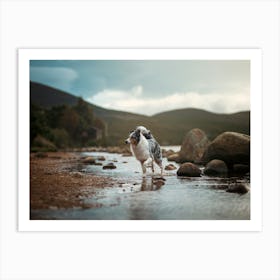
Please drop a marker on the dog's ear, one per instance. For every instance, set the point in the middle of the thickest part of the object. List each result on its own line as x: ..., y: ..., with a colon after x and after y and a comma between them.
x: 137, y: 132
x: 148, y: 135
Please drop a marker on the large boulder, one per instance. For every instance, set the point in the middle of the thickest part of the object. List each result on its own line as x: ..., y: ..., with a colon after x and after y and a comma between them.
x: 231, y: 147
x: 189, y: 169
x: 193, y: 146
x: 216, y: 167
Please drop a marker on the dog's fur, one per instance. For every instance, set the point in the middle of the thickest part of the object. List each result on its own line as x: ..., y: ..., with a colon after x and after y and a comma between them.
x: 145, y: 148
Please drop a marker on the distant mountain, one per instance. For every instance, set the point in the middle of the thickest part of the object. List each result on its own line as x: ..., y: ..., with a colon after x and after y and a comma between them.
x: 47, y: 97
x: 168, y: 127
x: 178, y: 122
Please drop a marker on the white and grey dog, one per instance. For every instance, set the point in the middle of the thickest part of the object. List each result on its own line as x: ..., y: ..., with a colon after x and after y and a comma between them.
x: 145, y: 148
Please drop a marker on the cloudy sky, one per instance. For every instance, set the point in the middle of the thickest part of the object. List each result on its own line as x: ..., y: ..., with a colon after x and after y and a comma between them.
x: 149, y: 87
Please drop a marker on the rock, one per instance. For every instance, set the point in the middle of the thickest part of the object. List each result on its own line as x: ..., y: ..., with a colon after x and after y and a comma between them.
x: 174, y: 157
x: 77, y: 174
x: 89, y: 160
x: 240, y: 169
x: 158, y: 183
x: 193, y: 146
x: 231, y: 147
x: 101, y: 158
x: 238, y: 188
x: 97, y: 163
x: 170, y: 167
x: 167, y: 153
x: 188, y: 169
x: 109, y: 166
x: 216, y: 167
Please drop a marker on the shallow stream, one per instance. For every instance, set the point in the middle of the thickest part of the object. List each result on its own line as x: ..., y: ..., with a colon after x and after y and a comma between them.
x: 151, y: 198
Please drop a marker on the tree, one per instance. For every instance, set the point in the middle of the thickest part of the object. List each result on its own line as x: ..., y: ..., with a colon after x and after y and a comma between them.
x: 38, y: 123
x: 85, y: 111
x: 69, y: 121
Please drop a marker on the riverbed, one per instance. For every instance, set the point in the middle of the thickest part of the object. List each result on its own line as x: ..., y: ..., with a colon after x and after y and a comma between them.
x: 132, y: 197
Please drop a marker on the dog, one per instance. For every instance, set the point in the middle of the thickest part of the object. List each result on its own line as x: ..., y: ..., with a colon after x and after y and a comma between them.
x: 145, y: 148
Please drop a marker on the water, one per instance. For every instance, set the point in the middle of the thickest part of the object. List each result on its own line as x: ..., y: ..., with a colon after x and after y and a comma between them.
x: 134, y: 197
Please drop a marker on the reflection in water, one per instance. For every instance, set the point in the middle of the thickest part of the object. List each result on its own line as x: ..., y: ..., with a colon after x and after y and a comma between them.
x: 139, y: 208
x: 152, y: 183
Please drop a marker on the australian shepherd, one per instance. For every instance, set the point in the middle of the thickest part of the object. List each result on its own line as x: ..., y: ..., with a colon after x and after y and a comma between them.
x: 145, y: 148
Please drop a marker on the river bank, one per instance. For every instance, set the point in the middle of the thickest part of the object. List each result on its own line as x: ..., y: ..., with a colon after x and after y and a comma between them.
x: 55, y: 181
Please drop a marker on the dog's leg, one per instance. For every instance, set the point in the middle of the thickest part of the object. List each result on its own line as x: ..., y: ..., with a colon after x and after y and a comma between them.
x: 148, y: 162
x: 143, y: 169
x: 159, y: 163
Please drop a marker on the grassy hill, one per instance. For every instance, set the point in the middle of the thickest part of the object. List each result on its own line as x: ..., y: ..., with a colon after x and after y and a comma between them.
x: 178, y: 122
x: 168, y: 127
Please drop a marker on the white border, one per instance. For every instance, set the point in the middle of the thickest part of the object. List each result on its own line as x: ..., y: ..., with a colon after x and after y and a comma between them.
x: 254, y: 55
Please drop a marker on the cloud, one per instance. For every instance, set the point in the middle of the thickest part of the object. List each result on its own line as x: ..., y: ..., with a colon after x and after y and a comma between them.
x: 58, y: 77
x: 134, y: 101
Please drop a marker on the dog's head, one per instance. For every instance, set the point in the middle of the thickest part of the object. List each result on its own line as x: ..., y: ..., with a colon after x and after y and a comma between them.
x: 146, y: 133
x: 134, y: 137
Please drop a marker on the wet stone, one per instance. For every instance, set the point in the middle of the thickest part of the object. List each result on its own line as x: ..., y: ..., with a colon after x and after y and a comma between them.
x: 89, y: 160
x: 98, y: 163
x: 238, y: 188
x: 109, y: 166
x: 158, y: 183
x: 188, y: 169
x: 101, y: 158
x: 170, y: 167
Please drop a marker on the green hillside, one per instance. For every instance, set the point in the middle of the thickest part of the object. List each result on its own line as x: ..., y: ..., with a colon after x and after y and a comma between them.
x: 176, y: 123
x: 168, y: 127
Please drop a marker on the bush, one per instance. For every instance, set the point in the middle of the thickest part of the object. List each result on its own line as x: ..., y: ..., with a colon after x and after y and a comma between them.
x: 61, y: 138
x: 43, y: 144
